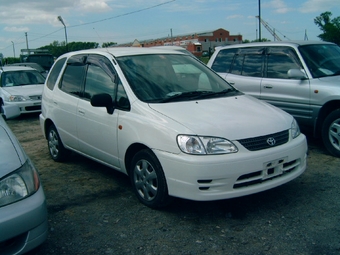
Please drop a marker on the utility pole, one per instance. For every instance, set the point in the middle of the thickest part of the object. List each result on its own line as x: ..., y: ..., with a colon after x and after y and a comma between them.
x: 13, y: 49
x: 62, y: 22
x: 27, y: 44
x: 260, y: 39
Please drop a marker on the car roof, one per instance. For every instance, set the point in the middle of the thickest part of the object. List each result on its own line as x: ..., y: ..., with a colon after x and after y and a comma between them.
x: 124, y: 51
x: 294, y: 43
x: 15, y: 68
x: 30, y: 64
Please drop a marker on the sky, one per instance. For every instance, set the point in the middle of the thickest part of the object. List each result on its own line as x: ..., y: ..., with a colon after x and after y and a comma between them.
x: 34, y: 23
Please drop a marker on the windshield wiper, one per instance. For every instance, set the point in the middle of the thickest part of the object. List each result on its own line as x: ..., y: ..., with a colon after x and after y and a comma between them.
x: 194, y: 95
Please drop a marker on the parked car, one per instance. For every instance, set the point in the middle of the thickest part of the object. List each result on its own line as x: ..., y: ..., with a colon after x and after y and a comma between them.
x: 300, y: 77
x: 33, y: 65
x: 23, y: 213
x: 170, y: 123
x: 21, y: 86
x: 44, y: 59
x: 176, y: 48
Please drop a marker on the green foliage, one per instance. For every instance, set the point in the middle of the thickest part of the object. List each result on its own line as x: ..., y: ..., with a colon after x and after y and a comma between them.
x: 257, y: 40
x: 329, y: 27
x: 108, y: 44
x: 10, y: 60
x: 58, y: 48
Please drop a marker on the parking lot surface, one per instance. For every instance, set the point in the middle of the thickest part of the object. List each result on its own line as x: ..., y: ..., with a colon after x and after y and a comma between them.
x: 93, y: 210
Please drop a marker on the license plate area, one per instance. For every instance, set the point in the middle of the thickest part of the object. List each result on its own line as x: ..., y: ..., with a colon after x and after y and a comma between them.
x: 273, y: 168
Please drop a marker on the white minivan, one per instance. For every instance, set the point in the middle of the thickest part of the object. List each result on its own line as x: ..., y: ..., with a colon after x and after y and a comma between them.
x: 175, y: 127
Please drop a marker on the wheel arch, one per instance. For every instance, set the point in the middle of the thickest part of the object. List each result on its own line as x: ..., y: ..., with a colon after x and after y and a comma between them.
x: 130, y: 152
x: 47, y: 124
x: 325, y: 110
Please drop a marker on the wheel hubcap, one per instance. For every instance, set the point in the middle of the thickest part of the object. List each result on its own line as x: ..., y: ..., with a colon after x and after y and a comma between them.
x: 334, y: 134
x: 53, y: 143
x: 145, y: 179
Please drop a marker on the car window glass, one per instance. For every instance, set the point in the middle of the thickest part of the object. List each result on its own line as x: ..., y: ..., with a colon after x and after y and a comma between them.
x: 98, y: 82
x: 122, y: 99
x: 22, y: 78
x: 279, y: 64
x: 321, y: 59
x: 223, y: 61
x: 74, y: 75
x: 252, y: 65
x: 54, y: 73
x: 237, y: 65
x: 280, y: 60
x: 154, y: 78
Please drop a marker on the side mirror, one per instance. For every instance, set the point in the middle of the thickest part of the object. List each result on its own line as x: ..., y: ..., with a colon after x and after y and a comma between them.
x: 296, y: 74
x: 103, y: 100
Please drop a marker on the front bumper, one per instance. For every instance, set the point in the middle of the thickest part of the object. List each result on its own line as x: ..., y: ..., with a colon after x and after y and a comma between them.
x: 23, y: 224
x: 215, y: 177
x: 30, y: 106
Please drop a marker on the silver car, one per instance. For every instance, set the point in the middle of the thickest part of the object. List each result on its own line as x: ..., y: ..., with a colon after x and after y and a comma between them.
x: 300, y: 77
x: 23, y: 213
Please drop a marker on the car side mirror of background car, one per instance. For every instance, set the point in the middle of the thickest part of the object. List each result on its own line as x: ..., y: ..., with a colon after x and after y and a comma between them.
x: 296, y: 74
x: 103, y: 100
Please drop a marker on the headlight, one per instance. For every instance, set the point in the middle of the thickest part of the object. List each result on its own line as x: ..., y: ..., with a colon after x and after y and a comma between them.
x: 19, y: 184
x: 295, y: 129
x: 16, y: 98
x: 202, y: 145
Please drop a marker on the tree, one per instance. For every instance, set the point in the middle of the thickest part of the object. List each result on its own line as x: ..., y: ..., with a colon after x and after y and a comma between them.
x: 108, y: 44
x: 58, y: 48
x: 329, y: 27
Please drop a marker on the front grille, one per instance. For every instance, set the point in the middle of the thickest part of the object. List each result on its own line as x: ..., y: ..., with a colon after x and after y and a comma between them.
x: 33, y: 108
x: 261, y: 142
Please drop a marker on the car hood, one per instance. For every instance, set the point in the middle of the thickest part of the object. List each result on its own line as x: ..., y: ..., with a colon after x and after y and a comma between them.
x: 229, y: 117
x: 26, y: 90
x: 10, y: 158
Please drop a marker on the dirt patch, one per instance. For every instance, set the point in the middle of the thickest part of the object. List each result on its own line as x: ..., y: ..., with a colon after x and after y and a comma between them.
x: 92, y: 210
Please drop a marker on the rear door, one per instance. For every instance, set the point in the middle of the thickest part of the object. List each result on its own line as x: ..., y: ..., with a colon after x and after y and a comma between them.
x: 65, y: 100
x: 246, y: 71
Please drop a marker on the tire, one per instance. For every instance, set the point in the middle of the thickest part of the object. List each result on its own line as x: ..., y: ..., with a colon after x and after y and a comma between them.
x: 55, y: 145
x: 148, y: 180
x: 331, y: 133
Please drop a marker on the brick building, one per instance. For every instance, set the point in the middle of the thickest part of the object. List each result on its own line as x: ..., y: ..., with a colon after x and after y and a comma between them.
x: 197, y: 43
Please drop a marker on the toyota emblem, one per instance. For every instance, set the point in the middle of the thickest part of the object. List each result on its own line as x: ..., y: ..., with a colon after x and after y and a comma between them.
x: 271, y: 141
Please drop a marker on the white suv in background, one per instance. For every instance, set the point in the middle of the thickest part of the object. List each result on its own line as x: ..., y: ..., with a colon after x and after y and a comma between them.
x: 300, y: 77
x: 171, y: 124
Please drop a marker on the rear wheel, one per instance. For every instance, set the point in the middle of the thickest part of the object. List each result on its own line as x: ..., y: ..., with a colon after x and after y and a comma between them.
x: 331, y: 133
x: 148, y: 180
x: 55, y: 145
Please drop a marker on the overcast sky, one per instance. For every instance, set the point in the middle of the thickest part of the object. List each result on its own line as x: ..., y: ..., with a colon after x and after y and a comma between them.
x: 126, y: 20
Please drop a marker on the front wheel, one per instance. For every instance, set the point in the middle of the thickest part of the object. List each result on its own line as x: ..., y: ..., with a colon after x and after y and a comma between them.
x: 148, y: 180
x: 55, y: 145
x: 331, y: 133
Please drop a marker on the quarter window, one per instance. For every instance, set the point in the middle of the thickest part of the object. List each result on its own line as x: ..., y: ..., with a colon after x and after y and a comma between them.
x: 54, y: 73
x: 223, y: 61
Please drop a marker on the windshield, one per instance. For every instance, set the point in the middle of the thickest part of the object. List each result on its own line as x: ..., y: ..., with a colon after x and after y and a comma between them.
x: 322, y: 59
x: 20, y: 78
x: 165, y: 78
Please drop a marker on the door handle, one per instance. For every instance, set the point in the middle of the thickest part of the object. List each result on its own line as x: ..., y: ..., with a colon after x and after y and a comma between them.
x: 268, y: 86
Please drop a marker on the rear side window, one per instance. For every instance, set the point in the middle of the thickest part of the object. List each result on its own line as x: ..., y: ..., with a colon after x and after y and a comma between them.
x: 73, y: 78
x: 223, y: 60
x: 248, y: 65
x: 54, y: 73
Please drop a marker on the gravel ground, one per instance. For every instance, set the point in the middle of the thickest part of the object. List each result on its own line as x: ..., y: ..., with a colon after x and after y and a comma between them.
x: 92, y: 210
